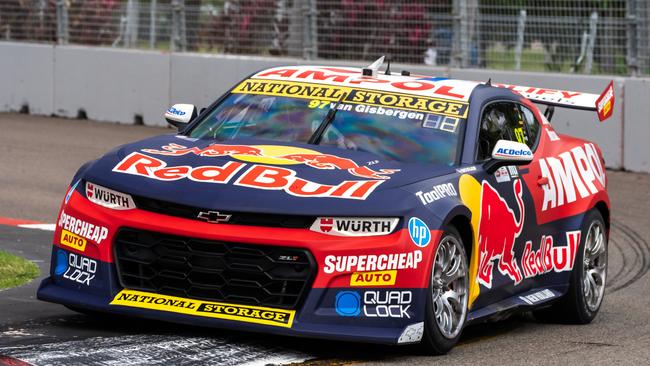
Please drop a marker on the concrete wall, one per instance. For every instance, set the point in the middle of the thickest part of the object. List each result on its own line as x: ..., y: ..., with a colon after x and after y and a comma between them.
x: 120, y: 85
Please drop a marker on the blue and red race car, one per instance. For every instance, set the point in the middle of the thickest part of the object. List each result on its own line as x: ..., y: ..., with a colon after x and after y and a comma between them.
x: 344, y: 203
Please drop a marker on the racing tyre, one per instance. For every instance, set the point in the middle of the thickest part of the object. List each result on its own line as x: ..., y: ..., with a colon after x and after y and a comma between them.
x: 588, y: 278
x: 446, y: 307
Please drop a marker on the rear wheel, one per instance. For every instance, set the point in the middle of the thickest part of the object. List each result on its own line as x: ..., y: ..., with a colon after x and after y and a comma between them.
x: 588, y: 278
x: 446, y: 308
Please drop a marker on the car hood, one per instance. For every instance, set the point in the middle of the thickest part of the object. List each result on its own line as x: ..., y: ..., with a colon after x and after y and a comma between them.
x: 267, y: 176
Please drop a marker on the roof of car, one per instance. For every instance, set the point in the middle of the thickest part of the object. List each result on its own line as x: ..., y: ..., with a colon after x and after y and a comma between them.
x: 420, y: 85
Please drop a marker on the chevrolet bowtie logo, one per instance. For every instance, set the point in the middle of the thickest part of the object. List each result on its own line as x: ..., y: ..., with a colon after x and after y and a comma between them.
x: 213, y: 217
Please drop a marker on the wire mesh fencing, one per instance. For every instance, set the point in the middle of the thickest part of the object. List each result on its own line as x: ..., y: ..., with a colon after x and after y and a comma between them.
x: 587, y: 36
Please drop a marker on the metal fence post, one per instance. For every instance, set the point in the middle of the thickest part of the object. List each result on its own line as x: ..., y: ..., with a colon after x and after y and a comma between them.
x: 309, y: 13
x: 62, y: 33
x: 519, y: 47
x: 177, y: 42
x: 460, y: 38
x: 152, y: 24
x: 589, y: 57
x: 132, y: 15
x: 632, y: 56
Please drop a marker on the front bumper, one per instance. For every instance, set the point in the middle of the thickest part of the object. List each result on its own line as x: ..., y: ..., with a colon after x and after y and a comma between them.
x: 345, y: 302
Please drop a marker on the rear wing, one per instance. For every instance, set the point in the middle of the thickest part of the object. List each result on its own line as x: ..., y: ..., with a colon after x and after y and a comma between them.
x: 603, y: 104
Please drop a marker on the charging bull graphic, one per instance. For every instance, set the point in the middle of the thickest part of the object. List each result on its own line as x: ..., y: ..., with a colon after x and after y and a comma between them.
x: 498, y: 230
x: 212, y: 150
x: 496, y: 227
x: 310, y: 158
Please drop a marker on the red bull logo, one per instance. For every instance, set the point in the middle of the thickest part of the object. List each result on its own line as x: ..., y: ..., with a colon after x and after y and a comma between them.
x: 272, y: 154
x: 498, y: 230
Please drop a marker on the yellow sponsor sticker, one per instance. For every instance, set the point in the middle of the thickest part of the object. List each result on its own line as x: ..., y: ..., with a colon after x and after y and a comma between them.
x: 376, y: 278
x: 73, y: 241
x: 332, y: 93
x: 236, y: 312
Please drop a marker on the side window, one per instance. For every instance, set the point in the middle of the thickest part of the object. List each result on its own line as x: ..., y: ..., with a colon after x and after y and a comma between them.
x: 500, y: 121
x: 532, y: 126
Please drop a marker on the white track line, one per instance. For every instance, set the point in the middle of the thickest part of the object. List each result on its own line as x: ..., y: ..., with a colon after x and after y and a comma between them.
x: 46, y: 227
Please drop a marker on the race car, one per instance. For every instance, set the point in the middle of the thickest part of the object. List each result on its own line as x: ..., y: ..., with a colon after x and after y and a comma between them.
x: 344, y: 203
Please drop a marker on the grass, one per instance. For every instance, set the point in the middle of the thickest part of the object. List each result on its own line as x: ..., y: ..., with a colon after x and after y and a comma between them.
x: 15, y: 271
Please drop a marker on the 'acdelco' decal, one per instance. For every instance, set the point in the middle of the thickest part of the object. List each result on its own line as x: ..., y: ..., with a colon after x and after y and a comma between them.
x: 236, y: 312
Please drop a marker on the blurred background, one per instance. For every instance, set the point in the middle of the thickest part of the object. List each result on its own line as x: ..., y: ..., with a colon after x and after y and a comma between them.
x: 586, y: 37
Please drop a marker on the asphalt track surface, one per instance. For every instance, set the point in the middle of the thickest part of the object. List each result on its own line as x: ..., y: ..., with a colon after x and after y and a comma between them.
x: 38, y: 157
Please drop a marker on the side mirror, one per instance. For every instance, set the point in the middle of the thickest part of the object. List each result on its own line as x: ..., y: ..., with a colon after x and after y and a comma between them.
x: 179, y: 115
x: 507, y: 152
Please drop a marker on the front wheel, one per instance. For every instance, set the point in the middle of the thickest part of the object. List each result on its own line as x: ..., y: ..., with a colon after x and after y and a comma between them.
x: 446, y: 308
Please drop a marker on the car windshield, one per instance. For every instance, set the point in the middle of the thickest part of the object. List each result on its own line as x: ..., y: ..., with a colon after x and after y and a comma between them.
x: 406, y: 135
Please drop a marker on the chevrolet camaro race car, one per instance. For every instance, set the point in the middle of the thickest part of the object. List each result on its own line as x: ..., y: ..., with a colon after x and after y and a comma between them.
x: 344, y: 203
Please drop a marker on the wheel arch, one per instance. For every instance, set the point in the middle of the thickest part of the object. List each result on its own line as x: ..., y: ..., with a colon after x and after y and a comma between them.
x: 461, y: 220
x: 603, y: 209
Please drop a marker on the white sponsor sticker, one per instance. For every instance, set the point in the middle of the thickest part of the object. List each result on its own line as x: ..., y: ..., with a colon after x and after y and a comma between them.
x: 502, y: 175
x: 108, y: 198
x: 354, y: 226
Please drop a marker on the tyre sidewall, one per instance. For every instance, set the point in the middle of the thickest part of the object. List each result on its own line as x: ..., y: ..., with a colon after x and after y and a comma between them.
x: 433, y: 341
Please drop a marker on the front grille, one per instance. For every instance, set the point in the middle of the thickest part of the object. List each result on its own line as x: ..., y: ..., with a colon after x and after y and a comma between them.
x: 237, y: 218
x: 213, y: 270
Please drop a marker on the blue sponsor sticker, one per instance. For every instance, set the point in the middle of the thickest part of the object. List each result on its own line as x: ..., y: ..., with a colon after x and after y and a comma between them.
x: 419, y: 232
x: 348, y: 303
x: 61, y: 263
x: 72, y: 189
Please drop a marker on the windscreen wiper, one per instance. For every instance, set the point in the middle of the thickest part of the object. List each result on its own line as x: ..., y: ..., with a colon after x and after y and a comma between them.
x: 329, y: 117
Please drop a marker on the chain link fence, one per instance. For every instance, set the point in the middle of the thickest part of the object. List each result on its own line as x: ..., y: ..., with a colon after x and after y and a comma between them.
x: 588, y: 36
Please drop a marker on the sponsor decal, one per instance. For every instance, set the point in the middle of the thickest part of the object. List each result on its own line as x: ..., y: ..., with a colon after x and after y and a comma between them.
x: 412, y: 333
x: 347, y: 303
x: 437, y: 192
x: 367, y: 97
x: 176, y: 112
x: 575, y: 170
x: 256, y: 177
x: 82, y: 228
x: 71, y: 190
x: 235, y: 312
x: 108, y: 198
x: 75, y: 267
x: 277, y: 155
x: 419, y: 232
x: 354, y: 226
x: 376, y: 278
x: 548, y: 257
x: 514, y: 173
x: 73, y: 241
x: 506, y: 152
x: 498, y: 230
x: 372, y: 262
x: 502, y: 175
x: 466, y: 169
x: 605, y: 102
x: 340, y: 76
x: 374, y: 304
x: 537, y: 297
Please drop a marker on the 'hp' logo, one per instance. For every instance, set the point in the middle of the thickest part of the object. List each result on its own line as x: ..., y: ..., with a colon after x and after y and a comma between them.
x: 419, y: 232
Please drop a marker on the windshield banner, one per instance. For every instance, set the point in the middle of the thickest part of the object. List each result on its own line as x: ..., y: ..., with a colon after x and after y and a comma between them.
x: 333, y: 93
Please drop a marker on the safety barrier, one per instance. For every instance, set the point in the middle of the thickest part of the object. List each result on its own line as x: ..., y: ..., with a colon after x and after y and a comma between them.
x: 132, y: 86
